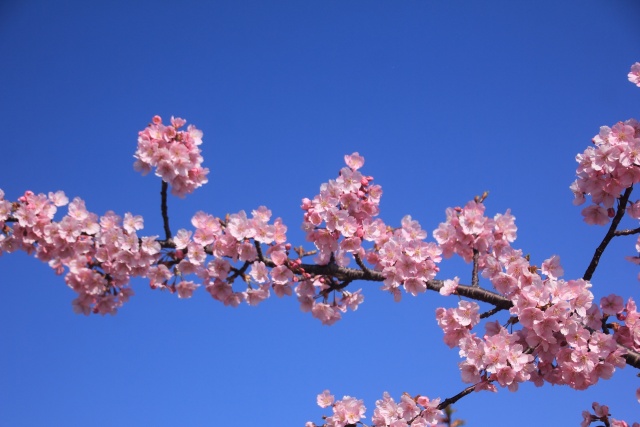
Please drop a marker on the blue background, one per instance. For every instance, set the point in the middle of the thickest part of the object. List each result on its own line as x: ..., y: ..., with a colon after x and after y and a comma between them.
x: 444, y: 99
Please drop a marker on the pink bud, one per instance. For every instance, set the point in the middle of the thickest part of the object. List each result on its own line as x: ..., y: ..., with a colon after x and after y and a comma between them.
x: 423, y: 400
x: 611, y: 212
x: 306, y: 204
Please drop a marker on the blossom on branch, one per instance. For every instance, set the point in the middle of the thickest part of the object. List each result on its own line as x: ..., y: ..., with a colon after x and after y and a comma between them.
x: 174, y: 153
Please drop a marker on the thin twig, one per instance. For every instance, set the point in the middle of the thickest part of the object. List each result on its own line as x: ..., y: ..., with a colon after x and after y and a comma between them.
x: 627, y: 232
x: 259, y: 251
x: 474, y: 273
x: 165, y: 215
x: 368, y: 272
x: 451, y: 400
x: 490, y: 313
x: 237, y: 272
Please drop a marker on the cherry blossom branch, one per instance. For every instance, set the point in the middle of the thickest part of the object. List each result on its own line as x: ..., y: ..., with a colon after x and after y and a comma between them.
x: 476, y: 293
x: 347, y: 275
x: 622, y: 203
x: 165, y: 215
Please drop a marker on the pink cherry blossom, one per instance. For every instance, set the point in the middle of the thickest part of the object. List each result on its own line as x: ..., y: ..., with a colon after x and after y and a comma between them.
x: 611, y: 304
x: 634, y: 74
x: 595, y: 215
x: 325, y: 399
x: 174, y: 153
x: 354, y: 161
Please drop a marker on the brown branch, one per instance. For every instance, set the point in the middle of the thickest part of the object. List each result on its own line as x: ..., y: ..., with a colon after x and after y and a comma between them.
x: 259, y: 251
x: 474, y: 273
x: 631, y: 357
x: 164, y: 209
x: 368, y: 272
x: 627, y: 232
x: 237, y: 272
x: 352, y: 274
x: 490, y: 313
x: 622, y: 204
x: 451, y: 400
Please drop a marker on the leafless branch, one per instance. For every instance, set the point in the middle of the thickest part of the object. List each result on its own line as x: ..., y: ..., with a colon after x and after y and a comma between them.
x: 622, y: 204
x: 164, y: 209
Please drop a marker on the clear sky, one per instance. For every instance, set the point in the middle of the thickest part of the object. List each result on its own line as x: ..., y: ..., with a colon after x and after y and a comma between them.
x: 445, y: 99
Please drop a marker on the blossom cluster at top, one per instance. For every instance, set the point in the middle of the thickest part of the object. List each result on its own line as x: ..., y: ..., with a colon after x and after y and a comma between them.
x: 468, y: 230
x: 609, y: 167
x: 606, y: 169
x: 174, y: 153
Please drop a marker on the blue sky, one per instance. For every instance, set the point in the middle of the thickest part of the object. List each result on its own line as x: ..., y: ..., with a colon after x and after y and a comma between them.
x: 444, y: 99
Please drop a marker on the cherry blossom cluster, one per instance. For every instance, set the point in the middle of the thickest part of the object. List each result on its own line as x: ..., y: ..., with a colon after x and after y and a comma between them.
x: 342, y: 217
x: 174, y: 153
x: 606, y: 169
x: 601, y: 413
x: 559, y: 340
x: 405, y: 259
x: 609, y: 167
x: 417, y: 411
x: 236, y: 239
x: 101, y: 254
x: 467, y: 230
x: 627, y: 333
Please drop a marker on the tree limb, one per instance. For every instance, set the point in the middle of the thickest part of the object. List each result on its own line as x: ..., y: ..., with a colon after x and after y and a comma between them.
x: 622, y: 204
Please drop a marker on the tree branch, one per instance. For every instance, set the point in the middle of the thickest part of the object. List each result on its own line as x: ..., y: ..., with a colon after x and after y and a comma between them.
x: 627, y: 232
x: 164, y: 209
x: 490, y: 313
x: 368, y: 272
x: 474, y: 273
x: 622, y: 204
x: 451, y: 400
x: 632, y: 357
